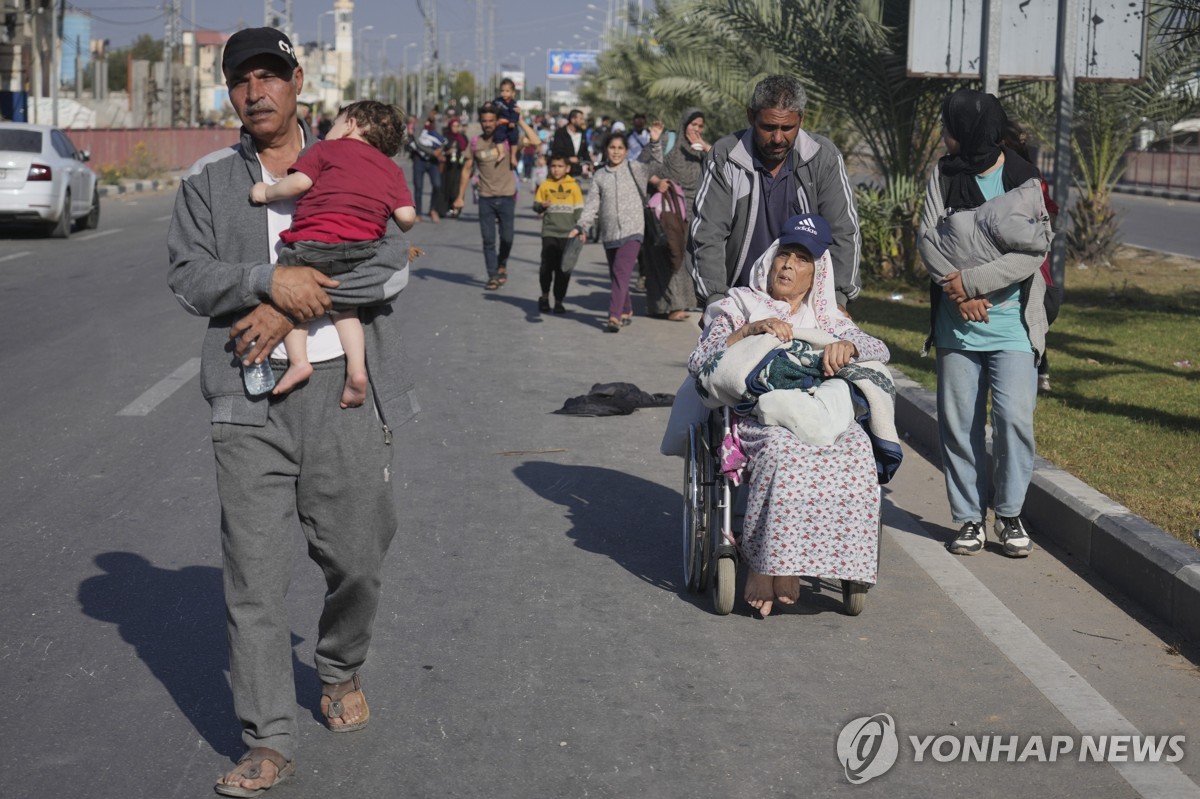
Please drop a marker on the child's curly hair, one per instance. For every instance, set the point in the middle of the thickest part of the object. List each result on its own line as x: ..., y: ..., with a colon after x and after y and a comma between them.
x: 382, y: 125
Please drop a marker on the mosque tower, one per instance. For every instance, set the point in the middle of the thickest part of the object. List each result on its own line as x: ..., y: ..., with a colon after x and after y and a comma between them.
x: 343, y: 43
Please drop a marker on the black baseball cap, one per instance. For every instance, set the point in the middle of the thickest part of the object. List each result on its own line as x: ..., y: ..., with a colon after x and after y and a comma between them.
x: 247, y: 43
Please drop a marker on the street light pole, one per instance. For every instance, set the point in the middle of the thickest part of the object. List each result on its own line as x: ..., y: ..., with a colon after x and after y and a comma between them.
x: 410, y: 44
x: 383, y: 66
x: 322, y: 15
x: 359, y: 62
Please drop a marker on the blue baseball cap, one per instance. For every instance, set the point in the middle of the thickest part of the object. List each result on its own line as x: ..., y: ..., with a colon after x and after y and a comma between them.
x: 810, y: 231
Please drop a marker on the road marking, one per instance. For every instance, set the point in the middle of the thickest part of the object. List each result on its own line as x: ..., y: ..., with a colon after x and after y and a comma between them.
x: 161, y: 390
x: 162, y: 218
x: 16, y: 255
x: 1067, y: 690
x: 98, y: 234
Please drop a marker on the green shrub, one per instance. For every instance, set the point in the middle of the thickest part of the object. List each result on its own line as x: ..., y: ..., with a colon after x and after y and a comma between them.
x: 888, y: 220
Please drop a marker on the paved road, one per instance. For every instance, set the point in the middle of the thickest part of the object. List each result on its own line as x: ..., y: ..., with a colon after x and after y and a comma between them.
x: 534, y: 640
x: 1158, y: 224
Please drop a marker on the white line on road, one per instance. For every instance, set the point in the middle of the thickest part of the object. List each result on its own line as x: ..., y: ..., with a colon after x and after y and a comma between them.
x: 162, y: 218
x: 98, y: 234
x: 1067, y: 690
x: 161, y: 390
x: 15, y: 255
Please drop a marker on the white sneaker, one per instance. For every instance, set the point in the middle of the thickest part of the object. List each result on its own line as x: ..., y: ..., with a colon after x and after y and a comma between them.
x: 1013, y: 536
x: 970, y: 540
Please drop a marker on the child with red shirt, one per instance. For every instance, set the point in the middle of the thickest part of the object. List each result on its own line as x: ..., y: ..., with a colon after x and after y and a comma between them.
x: 348, y: 187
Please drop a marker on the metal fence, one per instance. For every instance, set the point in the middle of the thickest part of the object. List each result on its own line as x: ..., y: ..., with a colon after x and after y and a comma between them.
x: 169, y: 148
x: 1179, y: 171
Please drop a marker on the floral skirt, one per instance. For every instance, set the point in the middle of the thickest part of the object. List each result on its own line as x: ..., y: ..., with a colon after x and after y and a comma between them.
x: 811, y: 511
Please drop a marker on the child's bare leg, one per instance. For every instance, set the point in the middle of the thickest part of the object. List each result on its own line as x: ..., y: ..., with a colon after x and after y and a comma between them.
x: 350, y: 332
x: 299, y: 369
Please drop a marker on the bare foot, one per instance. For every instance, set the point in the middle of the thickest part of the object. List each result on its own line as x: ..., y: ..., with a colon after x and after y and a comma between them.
x: 787, y: 589
x: 760, y: 592
x: 296, y: 374
x: 355, y: 392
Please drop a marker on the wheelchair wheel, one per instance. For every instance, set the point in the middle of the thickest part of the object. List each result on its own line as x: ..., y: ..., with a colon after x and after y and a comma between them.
x: 854, y: 596
x: 697, y: 510
x: 724, y: 581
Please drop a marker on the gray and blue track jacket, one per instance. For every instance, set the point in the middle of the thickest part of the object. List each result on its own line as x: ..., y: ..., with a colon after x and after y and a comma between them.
x: 728, y: 202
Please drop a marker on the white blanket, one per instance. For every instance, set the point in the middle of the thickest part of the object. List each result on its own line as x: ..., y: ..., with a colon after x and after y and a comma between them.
x: 815, y: 417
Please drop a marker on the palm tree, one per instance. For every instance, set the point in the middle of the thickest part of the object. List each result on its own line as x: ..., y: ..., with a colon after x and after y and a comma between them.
x: 850, y: 54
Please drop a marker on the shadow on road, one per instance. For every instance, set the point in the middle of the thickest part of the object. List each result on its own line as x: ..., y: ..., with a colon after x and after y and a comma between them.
x: 175, y: 620
x: 629, y: 519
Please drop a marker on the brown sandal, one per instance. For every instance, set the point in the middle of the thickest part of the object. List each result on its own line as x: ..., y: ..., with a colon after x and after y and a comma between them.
x: 335, y: 709
x: 250, y: 768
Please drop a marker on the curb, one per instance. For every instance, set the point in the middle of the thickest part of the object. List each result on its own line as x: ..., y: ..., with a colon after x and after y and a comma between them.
x: 135, y: 186
x: 1156, y: 191
x: 1147, y: 564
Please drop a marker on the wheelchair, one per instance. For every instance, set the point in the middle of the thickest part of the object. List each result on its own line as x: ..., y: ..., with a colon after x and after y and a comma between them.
x: 710, y: 553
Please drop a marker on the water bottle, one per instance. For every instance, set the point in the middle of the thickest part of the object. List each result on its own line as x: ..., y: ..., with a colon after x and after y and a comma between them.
x: 258, y: 377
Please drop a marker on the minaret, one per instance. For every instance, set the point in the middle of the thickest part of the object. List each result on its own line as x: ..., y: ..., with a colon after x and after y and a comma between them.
x: 343, y: 42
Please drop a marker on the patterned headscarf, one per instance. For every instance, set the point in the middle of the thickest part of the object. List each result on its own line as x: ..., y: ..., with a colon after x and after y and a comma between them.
x: 819, y: 309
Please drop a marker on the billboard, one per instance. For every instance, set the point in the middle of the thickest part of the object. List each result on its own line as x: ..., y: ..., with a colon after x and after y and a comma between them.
x: 569, y: 63
x: 944, y: 39
x: 516, y: 76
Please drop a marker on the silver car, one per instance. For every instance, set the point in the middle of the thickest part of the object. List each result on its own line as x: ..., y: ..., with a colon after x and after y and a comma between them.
x: 45, y: 181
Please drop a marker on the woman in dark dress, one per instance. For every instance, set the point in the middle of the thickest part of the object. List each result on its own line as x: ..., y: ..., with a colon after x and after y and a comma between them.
x: 454, y: 150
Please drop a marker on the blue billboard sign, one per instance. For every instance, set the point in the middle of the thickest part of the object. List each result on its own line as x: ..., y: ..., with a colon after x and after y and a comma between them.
x: 569, y: 63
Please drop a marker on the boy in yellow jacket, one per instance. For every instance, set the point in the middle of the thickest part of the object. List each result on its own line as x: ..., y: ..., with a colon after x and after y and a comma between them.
x: 560, y: 202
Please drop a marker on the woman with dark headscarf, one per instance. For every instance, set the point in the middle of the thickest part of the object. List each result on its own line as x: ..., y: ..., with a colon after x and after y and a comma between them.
x: 670, y: 291
x: 989, y: 326
x: 455, y: 153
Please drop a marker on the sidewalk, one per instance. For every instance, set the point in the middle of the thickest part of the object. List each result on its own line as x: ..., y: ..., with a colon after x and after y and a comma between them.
x: 1157, y: 191
x: 1147, y: 564
x: 135, y: 186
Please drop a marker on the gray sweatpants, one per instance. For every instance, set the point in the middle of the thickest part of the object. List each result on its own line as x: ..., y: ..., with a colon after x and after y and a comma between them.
x: 327, y: 468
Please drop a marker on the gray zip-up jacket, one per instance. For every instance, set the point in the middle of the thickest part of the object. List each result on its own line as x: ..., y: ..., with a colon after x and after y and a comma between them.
x: 987, y: 276
x: 728, y: 202
x: 617, y: 196
x: 219, y: 268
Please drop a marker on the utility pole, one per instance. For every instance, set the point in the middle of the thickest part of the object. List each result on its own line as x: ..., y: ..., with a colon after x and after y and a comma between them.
x: 479, y: 52
x: 429, y: 53
x: 170, y: 41
x: 55, y: 38
x: 1068, y: 37
x: 194, y: 94
x: 989, y: 69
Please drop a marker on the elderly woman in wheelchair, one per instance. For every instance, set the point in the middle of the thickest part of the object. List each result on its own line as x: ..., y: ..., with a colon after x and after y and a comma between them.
x: 814, y: 428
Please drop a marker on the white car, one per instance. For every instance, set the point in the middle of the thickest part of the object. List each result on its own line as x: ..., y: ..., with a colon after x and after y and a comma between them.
x: 45, y: 181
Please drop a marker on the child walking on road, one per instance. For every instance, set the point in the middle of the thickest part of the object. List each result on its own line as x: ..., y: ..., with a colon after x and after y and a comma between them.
x: 348, y: 187
x: 560, y: 202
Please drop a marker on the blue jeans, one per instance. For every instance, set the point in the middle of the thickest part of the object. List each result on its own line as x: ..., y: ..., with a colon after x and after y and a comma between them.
x: 964, y: 380
x: 495, y: 211
x: 420, y: 169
